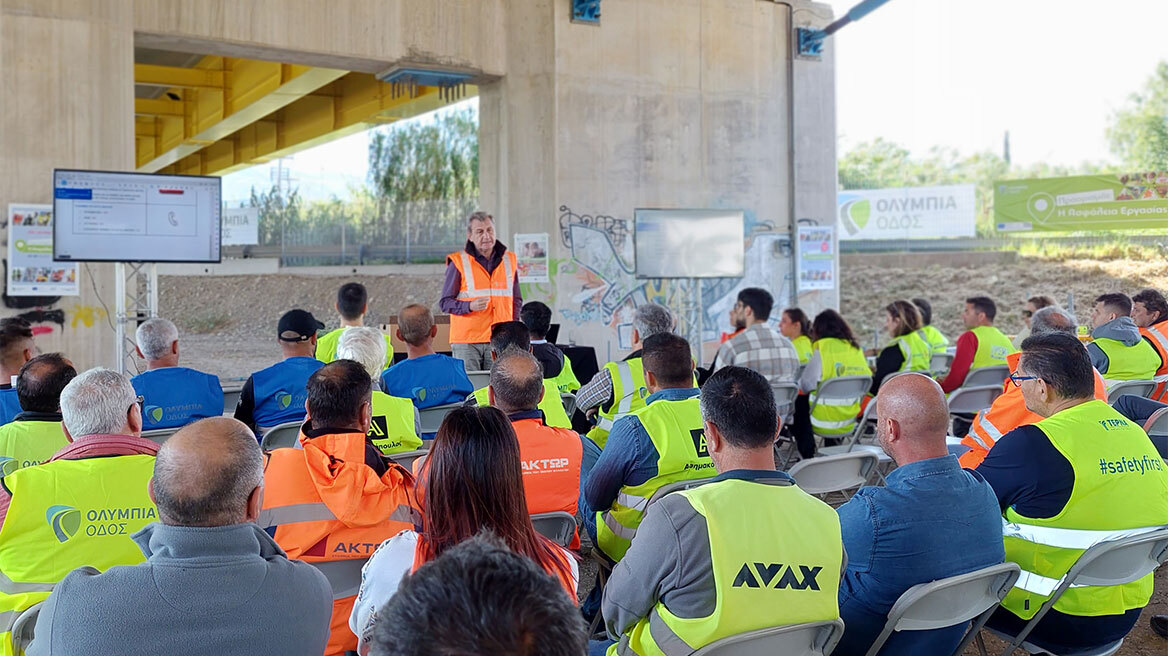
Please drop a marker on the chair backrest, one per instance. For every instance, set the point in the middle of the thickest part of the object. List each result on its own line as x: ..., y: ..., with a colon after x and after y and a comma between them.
x: 811, y: 639
x: 283, y: 436
x: 429, y: 419
x: 22, y: 628
x: 785, y: 394
x: 1157, y: 423
x: 836, y: 473
x: 558, y: 526
x: 986, y: 376
x: 971, y: 400
x: 160, y: 435
x: 675, y: 487
x: 569, y: 401
x: 939, y: 362
x: 1142, y: 388
x: 948, y: 602
x: 406, y: 458
x: 479, y: 379
x: 231, y: 398
x: 843, y: 390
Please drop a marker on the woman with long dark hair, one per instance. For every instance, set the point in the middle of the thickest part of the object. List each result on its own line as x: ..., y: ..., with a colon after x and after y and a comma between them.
x: 834, y: 353
x: 470, y: 481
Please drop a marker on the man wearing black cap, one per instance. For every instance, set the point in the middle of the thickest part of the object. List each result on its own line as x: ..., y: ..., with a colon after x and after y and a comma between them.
x: 276, y: 395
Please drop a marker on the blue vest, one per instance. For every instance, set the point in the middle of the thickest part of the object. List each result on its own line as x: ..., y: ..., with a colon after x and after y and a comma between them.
x: 280, y: 390
x: 177, y: 396
x: 430, y: 380
x: 9, y: 405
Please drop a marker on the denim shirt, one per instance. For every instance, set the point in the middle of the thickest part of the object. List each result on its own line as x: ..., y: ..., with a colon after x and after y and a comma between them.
x: 932, y: 520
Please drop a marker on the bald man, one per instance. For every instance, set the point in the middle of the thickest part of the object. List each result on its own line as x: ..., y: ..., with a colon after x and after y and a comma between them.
x: 426, y: 377
x: 932, y: 520
x: 212, y: 580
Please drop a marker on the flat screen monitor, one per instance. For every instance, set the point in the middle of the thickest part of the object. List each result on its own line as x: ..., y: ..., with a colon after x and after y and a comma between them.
x: 689, y: 243
x: 109, y: 216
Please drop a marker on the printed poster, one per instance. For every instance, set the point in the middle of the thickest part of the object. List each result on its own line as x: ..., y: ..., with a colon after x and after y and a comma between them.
x: 1126, y: 201
x: 816, y: 257
x: 31, y: 269
x: 531, y: 249
x: 908, y: 212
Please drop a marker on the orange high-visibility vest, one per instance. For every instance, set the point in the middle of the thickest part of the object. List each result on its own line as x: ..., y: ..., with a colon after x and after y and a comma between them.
x: 563, y: 573
x: 551, y: 467
x: 331, y: 510
x: 1007, y: 413
x: 498, y: 286
x: 1157, y: 334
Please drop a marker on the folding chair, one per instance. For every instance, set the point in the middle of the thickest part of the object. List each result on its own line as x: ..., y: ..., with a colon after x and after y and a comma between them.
x: 785, y: 395
x: 22, y: 628
x: 283, y: 436
x: 986, y: 376
x: 231, y: 398
x: 160, y: 435
x: 479, y: 379
x: 1114, y: 562
x: 970, y: 400
x: 1142, y: 388
x: 1157, y: 429
x: 939, y: 363
x: 836, y: 473
x: 845, y: 390
x: 810, y: 639
x: 569, y: 401
x: 948, y: 602
x: 559, y: 526
x: 406, y: 458
x: 430, y: 419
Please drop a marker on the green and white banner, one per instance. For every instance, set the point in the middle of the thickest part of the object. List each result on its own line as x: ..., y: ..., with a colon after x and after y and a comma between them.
x: 1128, y: 201
x: 907, y: 212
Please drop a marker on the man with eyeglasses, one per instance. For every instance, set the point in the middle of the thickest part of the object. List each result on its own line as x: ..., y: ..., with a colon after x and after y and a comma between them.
x: 1064, y: 484
x: 83, y: 506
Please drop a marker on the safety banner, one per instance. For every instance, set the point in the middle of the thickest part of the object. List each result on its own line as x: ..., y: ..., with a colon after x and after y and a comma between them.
x: 1083, y: 202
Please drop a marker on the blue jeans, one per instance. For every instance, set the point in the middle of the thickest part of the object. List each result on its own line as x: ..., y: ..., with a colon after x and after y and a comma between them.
x: 599, y: 647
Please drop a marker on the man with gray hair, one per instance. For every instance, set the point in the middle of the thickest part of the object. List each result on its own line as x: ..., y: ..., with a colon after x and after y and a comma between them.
x: 395, y: 424
x: 223, y: 582
x: 173, y: 396
x: 83, y: 505
x: 1009, y: 409
x: 615, y: 390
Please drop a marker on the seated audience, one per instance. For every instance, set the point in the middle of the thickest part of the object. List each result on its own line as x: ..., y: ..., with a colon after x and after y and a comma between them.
x: 981, y: 345
x: 616, y: 390
x: 937, y: 341
x: 395, y: 425
x: 336, y: 497
x: 425, y: 377
x: 213, y: 583
x: 16, y: 348
x: 556, y: 366
x: 1009, y: 410
x: 471, y: 480
x: 1150, y: 314
x: 907, y: 351
x: 36, y: 434
x: 276, y: 395
x: 58, y: 516
x: 834, y: 354
x: 1075, y: 472
x: 1033, y: 304
x: 172, y: 395
x: 1117, y: 349
x: 683, y: 579
x: 352, y: 304
x: 551, y: 457
x: 795, y: 326
x: 759, y: 347
x: 513, y: 334
x: 931, y: 520
x: 482, y: 598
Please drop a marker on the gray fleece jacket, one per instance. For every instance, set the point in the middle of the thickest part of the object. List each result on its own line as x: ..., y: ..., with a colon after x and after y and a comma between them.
x: 213, y: 591
x: 1121, y: 329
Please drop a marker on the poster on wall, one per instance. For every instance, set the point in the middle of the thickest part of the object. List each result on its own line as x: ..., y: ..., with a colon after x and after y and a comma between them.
x: 815, y: 255
x: 1126, y: 201
x: 531, y: 249
x: 908, y: 212
x: 241, y: 226
x: 31, y: 269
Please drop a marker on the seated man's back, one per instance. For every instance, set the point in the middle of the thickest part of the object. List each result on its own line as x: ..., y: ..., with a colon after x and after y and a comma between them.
x: 551, y: 405
x: 177, y: 396
x: 393, y: 428
x: 35, y: 434
x: 428, y: 381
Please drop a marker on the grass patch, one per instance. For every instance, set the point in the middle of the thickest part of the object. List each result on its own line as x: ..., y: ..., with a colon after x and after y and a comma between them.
x: 1114, y: 249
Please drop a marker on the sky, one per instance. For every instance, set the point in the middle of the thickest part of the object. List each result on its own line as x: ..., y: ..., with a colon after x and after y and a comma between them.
x: 924, y: 73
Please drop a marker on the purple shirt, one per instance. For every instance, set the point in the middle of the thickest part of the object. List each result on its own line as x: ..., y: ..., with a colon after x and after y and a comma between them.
x: 449, y: 302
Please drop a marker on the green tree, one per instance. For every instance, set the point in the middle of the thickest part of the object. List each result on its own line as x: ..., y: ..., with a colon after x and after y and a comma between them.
x: 279, y: 213
x: 1139, y: 131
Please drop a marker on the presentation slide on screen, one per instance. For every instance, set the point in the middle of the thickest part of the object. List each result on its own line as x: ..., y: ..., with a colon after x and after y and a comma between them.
x: 131, y: 217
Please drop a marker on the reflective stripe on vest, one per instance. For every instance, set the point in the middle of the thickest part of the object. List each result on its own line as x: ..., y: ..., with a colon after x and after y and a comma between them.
x: 915, y: 352
x: 628, y: 381
x: 299, y: 513
x: 473, y: 292
x: 837, y: 358
x: 344, y: 576
x: 497, y: 286
x: 992, y: 432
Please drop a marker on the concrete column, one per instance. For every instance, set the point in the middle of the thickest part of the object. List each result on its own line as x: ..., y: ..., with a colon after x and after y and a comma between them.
x: 667, y: 103
x: 66, y: 89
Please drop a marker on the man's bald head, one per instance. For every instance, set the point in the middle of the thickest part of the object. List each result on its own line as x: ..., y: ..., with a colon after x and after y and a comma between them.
x: 415, y: 323
x: 912, y: 418
x: 516, y: 381
x: 206, y: 473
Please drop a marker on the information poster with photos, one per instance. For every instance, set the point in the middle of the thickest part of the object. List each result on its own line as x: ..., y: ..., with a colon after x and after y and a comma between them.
x: 816, y: 257
x: 531, y: 249
x: 31, y: 269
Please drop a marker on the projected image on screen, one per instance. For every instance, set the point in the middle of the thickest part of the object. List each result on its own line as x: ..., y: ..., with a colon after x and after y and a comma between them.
x: 689, y: 243
x: 133, y: 217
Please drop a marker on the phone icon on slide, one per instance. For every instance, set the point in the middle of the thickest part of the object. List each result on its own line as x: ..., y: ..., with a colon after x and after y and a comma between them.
x: 172, y: 219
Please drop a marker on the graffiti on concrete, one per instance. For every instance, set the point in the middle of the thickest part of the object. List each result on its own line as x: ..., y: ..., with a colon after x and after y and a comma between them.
x: 619, y: 231
x: 88, y: 315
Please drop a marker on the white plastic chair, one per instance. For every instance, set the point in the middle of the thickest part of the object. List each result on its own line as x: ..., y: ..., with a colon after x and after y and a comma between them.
x: 283, y: 436
x: 844, y: 390
x: 970, y: 400
x: 995, y: 375
x: 558, y: 526
x: 785, y: 394
x: 1114, y: 562
x: 835, y: 473
x: 1142, y: 388
x: 939, y: 363
x: 948, y: 602
x: 429, y: 419
x: 810, y: 639
x: 479, y: 379
x: 160, y: 435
